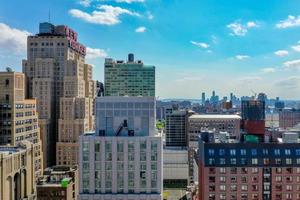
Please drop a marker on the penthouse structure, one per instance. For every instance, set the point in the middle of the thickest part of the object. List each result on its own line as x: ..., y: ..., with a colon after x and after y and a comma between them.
x: 234, y: 170
x: 58, y: 77
x: 17, y: 172
x: 58, y: 183
x: 18, y: 116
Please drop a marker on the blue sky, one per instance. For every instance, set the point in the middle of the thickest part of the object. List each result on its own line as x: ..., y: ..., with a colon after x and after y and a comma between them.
x: 196, y: 45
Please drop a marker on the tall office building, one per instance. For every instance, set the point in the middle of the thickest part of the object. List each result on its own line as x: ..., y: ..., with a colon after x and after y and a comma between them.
x: 131, y: 78
x: 56, y: 74
x: 253, y: 116
x: 122, y: 159
x: 203, y: 98
x: 177, y: 127
x: 18, y: 116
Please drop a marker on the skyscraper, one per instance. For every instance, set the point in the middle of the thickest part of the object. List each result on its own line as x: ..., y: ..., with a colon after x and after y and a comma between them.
x: 122, y: 159
x: 18, y: 116
x: 253, y: 116
x: 203, y: 98
x: 56, y: 74
x: 131, y: 78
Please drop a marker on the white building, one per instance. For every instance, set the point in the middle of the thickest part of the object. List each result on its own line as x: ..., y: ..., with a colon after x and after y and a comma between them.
x: 176, y: 166
x: 122, y: 160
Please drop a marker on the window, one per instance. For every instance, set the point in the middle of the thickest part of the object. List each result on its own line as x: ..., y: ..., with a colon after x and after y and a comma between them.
x: 243, y: 152
x: 243, y: 161
x: 222, y: 170
x: 265, y: 151
x: 254, y: 161
x: 221, y: 152
x: 222, y: 179
x: 211, y: 161
x: 287, y: 152
x: 278, y: 161
x: 298, y: 152
x: 222, y: 161
x: 244, y: 187
x: 232, y: 152
x: 254, y: 170
x: 233, y: 161
x: 288, y: 161
x: 277, y: 152
x: 211, y: 152
x: 222, y: 187
x: 278, y: 178
x: 253, y: 152
x: 266, y: 161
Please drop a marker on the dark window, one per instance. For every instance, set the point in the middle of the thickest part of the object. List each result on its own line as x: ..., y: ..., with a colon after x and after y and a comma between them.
x: 6, y: 82
x: 7, y: 97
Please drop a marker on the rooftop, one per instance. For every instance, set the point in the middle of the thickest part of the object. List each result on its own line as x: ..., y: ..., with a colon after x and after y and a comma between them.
x: 215, y: 117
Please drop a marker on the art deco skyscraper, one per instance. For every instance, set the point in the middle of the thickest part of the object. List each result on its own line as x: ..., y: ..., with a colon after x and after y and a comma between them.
x: 18, y: 116
x: 56, y: 74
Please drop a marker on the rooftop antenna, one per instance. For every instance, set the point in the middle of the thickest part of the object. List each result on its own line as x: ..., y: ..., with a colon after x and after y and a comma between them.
x: 254, y: 94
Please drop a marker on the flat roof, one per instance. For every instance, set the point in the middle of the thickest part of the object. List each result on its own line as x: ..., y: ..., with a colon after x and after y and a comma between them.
x: 215, y: 117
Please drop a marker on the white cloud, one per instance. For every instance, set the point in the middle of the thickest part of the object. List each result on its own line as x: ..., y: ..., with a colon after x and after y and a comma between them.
x: 189, y: 79
x: 140, y: 29
x: 105, y: 15
x: 291, y: 21
x: 249, y: 79
x: 238, y: 29
x: 13, y: 40
x: 281, y: 53
x: 268, y: 70
x: 85, y: 3
x: 129, y: 1
x: 242, y: 57
x: 292, y: 64
x: 200, y: 44
x: 296, y: 48
x: 95, y: 53
x: 292, y: 82
x: 149, y: 15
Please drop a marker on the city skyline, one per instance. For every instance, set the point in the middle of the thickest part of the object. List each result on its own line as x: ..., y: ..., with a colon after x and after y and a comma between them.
x: 199, y: 45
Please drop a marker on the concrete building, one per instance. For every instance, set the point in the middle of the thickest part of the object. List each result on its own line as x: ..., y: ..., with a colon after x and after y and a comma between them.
x: 18, y: 116
x: 253, y: 115
x: 289, y: 118
x: 131, y: 78
x: 56, y: 75
x: 17, y: 173
x: 175, y: 167
x: 227, y: 125
x: 177, y: 127
x: 58, y: 183
x: 123, y: 158
x: 236, y: 170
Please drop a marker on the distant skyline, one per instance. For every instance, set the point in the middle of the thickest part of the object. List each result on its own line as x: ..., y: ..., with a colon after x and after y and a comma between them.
x: 197, y: 46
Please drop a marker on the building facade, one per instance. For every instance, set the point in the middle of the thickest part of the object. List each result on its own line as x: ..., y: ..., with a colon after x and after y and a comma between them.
x: 17, y: 173
x: 177, y: 127
x: 227, y: 124
x: 58, y: 183
x: 18, y: 116
x: 253, y: 116
x: 123, y: 158
x: 56, y: 74
x: 289, y: 118
x: 241, y: 171
x: 131, y: 78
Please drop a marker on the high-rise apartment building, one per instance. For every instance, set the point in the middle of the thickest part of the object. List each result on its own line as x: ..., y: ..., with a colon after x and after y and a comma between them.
x: 253, y: 116
x: 57, y: 76
x: 131, y: 78
x: 18, y: 116
x: 230, y: 169
x: 227, y: 125
x: 177, y: 126
x: 17, y: 173
x: 123, y: 158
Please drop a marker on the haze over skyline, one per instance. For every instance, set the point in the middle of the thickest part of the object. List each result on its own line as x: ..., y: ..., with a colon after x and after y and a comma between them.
x: 197, y: 46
